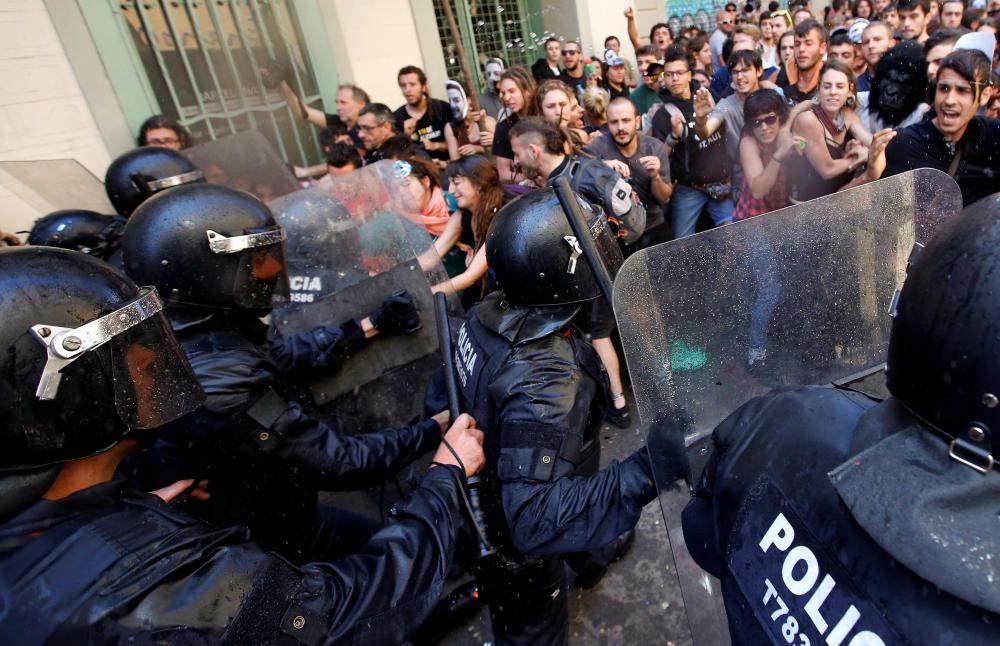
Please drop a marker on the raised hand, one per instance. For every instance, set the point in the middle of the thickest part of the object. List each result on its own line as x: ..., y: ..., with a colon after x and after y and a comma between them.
x: 703, y: 103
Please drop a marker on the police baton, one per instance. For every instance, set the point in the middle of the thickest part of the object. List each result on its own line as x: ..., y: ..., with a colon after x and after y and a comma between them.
x: 581, y: 228
x: 470, y: 496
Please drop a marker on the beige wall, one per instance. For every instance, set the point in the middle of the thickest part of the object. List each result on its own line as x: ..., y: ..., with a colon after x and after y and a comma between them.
x: 372, y: 39
x: 594, y: 20
x: 42, y: 111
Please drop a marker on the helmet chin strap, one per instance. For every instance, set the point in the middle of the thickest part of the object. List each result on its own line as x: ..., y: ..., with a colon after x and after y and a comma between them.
x: 21, y: 489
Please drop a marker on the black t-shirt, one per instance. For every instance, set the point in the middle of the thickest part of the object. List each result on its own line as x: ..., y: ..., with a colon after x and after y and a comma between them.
x: 501, y: 138
x: 693, y: 160
x: 791, y: 90
x: 625, y: 91
x: 542, y: 72
x: 430, y: 127
x: 575, y: 82
x: 922, y: 146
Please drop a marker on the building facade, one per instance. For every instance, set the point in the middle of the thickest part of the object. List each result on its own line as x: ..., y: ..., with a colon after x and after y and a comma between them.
x: 82, y: 75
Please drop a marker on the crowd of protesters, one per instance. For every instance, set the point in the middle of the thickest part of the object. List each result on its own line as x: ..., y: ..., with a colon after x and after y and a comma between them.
x: 773, y: 107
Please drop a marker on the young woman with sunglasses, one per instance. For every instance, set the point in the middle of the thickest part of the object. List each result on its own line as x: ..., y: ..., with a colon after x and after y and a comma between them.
x: 765, y: 146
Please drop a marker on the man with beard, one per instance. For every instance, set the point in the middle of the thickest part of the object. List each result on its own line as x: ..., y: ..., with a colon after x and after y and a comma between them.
x: 876, y: 40
x: 572, y: 74
x: 897, y: 91
x: 642, y: 161
x: 955, y: 141
x: 799, y: 79
x: 422, y: 118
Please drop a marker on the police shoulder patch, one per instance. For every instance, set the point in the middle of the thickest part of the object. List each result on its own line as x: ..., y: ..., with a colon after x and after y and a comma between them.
x: 797, y: 589
x: 621, y: 197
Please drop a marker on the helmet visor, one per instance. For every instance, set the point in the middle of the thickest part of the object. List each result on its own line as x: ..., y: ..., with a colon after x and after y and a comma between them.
x: 261, y: 278
x: 152, y: 380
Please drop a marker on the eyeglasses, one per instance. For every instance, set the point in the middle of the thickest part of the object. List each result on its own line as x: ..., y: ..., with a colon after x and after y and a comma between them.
x: 766, y: 121
x: 570, y: 52
x: 678, y: 74
x: 167, y: 141
x: 370, y: 128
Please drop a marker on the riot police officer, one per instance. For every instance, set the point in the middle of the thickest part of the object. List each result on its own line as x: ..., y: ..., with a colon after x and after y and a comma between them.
x: 139, y: 173
x: 539, y: 151
x: 536, y: 386
x: 217, y: 256
x: 832, y: 518
x: 81, y: 230
x: 88, y: 369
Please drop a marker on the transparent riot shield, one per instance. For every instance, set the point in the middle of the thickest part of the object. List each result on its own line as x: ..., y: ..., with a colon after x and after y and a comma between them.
x: 349, y: 245
x: 797, y: 296
x: 246, y: 161
x: 54, y: 184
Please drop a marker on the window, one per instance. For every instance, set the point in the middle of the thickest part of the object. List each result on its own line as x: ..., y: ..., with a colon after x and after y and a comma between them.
x: 203, y: 62
x: 493, y: 28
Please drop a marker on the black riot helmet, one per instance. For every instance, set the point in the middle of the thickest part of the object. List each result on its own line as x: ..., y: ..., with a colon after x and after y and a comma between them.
x: 80, y: 230
x: 85, y: 358
x: 944, y: 349
x: 536, y: 256
x: 141, y: 172
x: 207, y: 245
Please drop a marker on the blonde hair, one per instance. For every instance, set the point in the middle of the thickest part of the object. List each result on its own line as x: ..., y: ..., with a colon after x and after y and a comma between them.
x: 595, y: 103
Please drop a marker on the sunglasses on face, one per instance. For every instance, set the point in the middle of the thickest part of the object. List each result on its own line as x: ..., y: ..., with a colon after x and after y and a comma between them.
x: 569, y: 52
x: 766, y: 121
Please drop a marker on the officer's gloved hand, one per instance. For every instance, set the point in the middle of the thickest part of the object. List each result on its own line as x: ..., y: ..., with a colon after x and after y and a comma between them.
x: 397, y: 314
x: 667, y: 455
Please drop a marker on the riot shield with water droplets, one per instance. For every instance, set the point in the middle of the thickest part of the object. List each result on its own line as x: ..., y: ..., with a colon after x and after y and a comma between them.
x: 245, y: 161
x: 797, y: 296
x: 350, y: 243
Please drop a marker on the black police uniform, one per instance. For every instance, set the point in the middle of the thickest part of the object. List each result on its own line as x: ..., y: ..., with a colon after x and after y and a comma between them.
x: 604, y: 187
x: 536, y: 390
x: 106, y: 565
x: 265, y: 456
x: 593, y: 180
x: 808, y: 516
